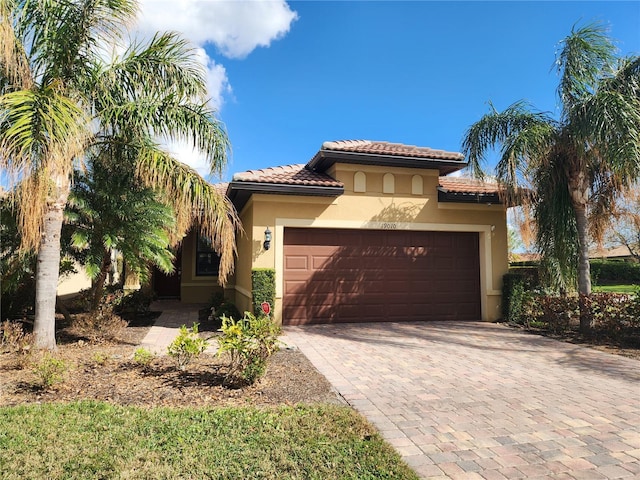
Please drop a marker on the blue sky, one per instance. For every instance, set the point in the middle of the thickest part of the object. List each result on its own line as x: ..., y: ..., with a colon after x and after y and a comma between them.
x: 410, y: 72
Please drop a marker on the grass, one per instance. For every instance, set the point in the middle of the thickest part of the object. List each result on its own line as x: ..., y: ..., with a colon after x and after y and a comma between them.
x: 615, y: 288
x: 100, y: 440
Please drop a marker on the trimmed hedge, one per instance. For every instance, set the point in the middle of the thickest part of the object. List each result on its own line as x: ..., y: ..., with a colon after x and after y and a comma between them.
x: 611, y: 271
x: 263, y: 285
x: 516, y: 286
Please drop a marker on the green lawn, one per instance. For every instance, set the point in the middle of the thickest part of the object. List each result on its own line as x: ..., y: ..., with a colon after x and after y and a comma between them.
x: 616, y: 288
x: 100, y: 440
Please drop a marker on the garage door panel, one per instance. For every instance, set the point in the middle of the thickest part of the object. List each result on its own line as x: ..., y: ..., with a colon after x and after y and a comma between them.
x: 293, y: 286
x: 366, y: 275
x: 297, y: 262
x: 318, y: 261
x: 326, y: 287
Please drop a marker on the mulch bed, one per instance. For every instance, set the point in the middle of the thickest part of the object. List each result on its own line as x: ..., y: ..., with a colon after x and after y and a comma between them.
x: 106, y: 371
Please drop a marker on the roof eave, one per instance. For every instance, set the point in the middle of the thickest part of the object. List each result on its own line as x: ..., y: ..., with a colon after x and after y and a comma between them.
x: 239, y: 192
x: 326, y: 158
x: 447, y: 196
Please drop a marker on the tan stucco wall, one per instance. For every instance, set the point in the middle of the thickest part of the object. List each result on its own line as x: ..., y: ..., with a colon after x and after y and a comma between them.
x: 70, y: 285
x: 249, y: 247
x: 373, y: 210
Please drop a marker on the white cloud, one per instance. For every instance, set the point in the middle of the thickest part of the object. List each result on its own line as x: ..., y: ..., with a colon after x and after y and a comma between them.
x: 234, y: 27
x: 217, y: 80
x: 185, y: 153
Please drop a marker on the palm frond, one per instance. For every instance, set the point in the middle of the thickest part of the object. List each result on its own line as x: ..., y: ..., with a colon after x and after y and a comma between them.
x: 15, y: 71
x: 525, y: 137
x: 584, y: 57
x: 557, y: 233
x: 61, y: 36
x: 40, y: 125
x: 496, y: 127
x: 166, y: 65
x: 196, y: 203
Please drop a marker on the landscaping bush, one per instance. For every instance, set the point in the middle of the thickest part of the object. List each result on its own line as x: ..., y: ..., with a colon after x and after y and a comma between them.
x: 614, y: 314
x: 557, y: 311
x: 136, y: 302
x: 517, y: 286
x: 248, y: 342
x: 217, y: 299
x: 187, y: 346
x: 102, y: 325
x: 609, y: 271
x: 263, y: 285
x: 225, y: 309
x: 50, y: 371
x: 143, y: 356
x: 13, y: 338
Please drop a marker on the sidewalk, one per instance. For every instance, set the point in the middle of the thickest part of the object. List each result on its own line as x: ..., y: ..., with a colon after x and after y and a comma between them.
x: 167, y: 326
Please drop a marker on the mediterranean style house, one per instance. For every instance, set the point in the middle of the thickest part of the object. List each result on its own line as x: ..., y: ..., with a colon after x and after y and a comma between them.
x: 364, y: 231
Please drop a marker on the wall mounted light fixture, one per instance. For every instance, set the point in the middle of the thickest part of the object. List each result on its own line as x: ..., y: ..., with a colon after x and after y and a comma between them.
x: 267, y: 239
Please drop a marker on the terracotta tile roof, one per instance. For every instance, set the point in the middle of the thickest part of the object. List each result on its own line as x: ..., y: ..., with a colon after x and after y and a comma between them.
x: 621, y: 251
x: 468, y: 185
x: 393, y: 149
x: 288, y: 175
x: 221, y: 187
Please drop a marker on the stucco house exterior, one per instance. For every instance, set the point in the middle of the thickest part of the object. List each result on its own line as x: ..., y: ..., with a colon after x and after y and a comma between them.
x: 364, y: 231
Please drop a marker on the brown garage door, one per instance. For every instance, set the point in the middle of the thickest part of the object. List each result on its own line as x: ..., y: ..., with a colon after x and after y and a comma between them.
x: 333, y: 276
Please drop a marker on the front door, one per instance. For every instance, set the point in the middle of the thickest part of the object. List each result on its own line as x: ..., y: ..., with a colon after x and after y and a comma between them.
x: 168, y: 285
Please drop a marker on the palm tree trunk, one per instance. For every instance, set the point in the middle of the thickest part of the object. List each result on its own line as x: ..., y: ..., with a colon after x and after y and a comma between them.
x: 98, y: 286
x: 579, y: 191
x: 47, y: 272
x: 584, y: 268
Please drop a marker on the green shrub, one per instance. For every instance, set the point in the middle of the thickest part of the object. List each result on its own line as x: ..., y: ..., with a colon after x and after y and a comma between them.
x: 263, y: 285
x: 612, y: 271
x: 226, y: 309
x: 248, y: 342
x: 137, y: 302
x: 217, y: 299
x: 50, y: 370
x: 143, y: 356
x: 100, y: 358
x: 187, y: 346
x: 517, y: 287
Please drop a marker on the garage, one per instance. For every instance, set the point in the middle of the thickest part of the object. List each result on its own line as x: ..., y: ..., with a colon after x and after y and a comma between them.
x: 341, y: 275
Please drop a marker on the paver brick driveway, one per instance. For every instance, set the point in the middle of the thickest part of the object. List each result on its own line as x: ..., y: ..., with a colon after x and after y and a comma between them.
x: 479, y: 400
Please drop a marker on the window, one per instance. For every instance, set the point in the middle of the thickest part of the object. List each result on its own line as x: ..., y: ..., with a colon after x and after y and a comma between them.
x: 207, y: 261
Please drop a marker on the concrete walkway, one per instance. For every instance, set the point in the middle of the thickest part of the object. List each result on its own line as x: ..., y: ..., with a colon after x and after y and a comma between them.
x: 482, y: 401
x: 167, y: 325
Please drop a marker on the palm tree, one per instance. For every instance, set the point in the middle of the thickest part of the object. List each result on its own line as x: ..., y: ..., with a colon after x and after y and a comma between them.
x: 108, y: 210
x: 61, y: 101
x: 568, y: 167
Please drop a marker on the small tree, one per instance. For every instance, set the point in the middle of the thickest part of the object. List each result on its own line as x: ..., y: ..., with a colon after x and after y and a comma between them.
x: 570, y: 165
